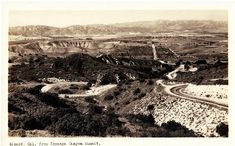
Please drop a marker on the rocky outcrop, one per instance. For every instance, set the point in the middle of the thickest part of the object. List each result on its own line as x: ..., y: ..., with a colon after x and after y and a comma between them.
x: 61, y: 46
x: 115, y: 78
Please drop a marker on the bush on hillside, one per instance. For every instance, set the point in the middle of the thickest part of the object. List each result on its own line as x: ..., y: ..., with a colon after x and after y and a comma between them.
x: 222, y: 129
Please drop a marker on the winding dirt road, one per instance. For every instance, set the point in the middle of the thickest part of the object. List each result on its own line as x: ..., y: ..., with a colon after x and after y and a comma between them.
x: 178, y: 91
x: 94, y: 91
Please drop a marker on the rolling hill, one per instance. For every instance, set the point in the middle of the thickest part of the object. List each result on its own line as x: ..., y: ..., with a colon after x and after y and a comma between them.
x: 130, y: 27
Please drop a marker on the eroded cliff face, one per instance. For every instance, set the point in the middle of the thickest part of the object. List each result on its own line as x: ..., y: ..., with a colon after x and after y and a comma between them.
x: 61, y: 46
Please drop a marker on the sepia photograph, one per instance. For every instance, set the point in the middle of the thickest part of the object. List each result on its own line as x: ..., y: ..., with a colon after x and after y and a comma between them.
x: 118, y: 73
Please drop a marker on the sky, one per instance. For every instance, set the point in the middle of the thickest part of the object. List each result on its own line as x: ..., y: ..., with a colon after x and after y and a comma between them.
x: 60, y: 18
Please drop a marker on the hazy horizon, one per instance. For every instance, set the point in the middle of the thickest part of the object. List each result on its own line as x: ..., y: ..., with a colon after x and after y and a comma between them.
x: 69, y: 18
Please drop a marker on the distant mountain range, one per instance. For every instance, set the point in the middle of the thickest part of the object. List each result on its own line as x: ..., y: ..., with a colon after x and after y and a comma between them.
x: 130, y: 27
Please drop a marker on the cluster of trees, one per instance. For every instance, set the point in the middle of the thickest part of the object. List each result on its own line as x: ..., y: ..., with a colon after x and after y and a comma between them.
x: 150, y: 129
x: 96, y: 122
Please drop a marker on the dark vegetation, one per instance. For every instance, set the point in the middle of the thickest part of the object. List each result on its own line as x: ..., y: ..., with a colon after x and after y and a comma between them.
x: 90, y: 100
x: 95, y: 123
x: 65, y: 91
x: 201, y: 61
x: 144, y: 120
x: 176, y: 129
x: 108, y: 69
x: 141, y: 95
x: 86, y: 68
x: 30, y: 109
x: 150, y: 107
x: 222, y: 129
x: 169, y: 129
x: 136, y: 91
x: 35, y: 112
x: 150, y: 82
x: 109, y: 97
x: 114, y: 94
x: 204, y: 73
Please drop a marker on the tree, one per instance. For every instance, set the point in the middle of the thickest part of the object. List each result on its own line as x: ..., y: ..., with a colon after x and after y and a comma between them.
x: 187, y: 65
x: 200, y: 80
x: 136, y: 91
x: 222, y: 129
x: 201, y: 61
x: 150, y: 108
x: 178, y: 62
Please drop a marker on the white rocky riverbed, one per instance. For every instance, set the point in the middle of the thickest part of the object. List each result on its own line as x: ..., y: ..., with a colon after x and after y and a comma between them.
x: 218, y: 92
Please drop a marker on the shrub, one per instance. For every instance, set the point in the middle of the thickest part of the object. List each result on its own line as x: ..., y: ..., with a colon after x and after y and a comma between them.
x: 150, y: 107
x: 41, y: 63
x: 127, y: 82
x: 178, y: 62
x: 175, y: 129
x: 116, y: 93
x: 123, y: 131
x: 52, y: 99
x: 171, y: 125
x: 90, y: 100
x: 89, y: 84
x: 141, y: 95
x: 73, y: 86
x: 86, y: 87
x: 208, y: 95
x: 95, y: 109
x: 187, y: 65
x: 10, y: 61
x: 109, y: 97
x: 142, y: 80
x: 13, y: 121
x: 31, y: 61
x: 150, y: 82
x: 68, y: 124
x: 38, y: 59
x: 35, y: 90
x: 13, y: 109
x: 65, y: 91
x: 89, y: 39
x: 222, y: 129
x: 151, y: 120
x: 201, y: 61
x: 32, y: 123
x: 141, y: 119
x: 107, y: 79
x: 136, y: 91
x: 127, y: 102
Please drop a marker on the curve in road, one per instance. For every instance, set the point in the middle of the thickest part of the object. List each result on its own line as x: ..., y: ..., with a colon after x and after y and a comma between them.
x: 177, y: 91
